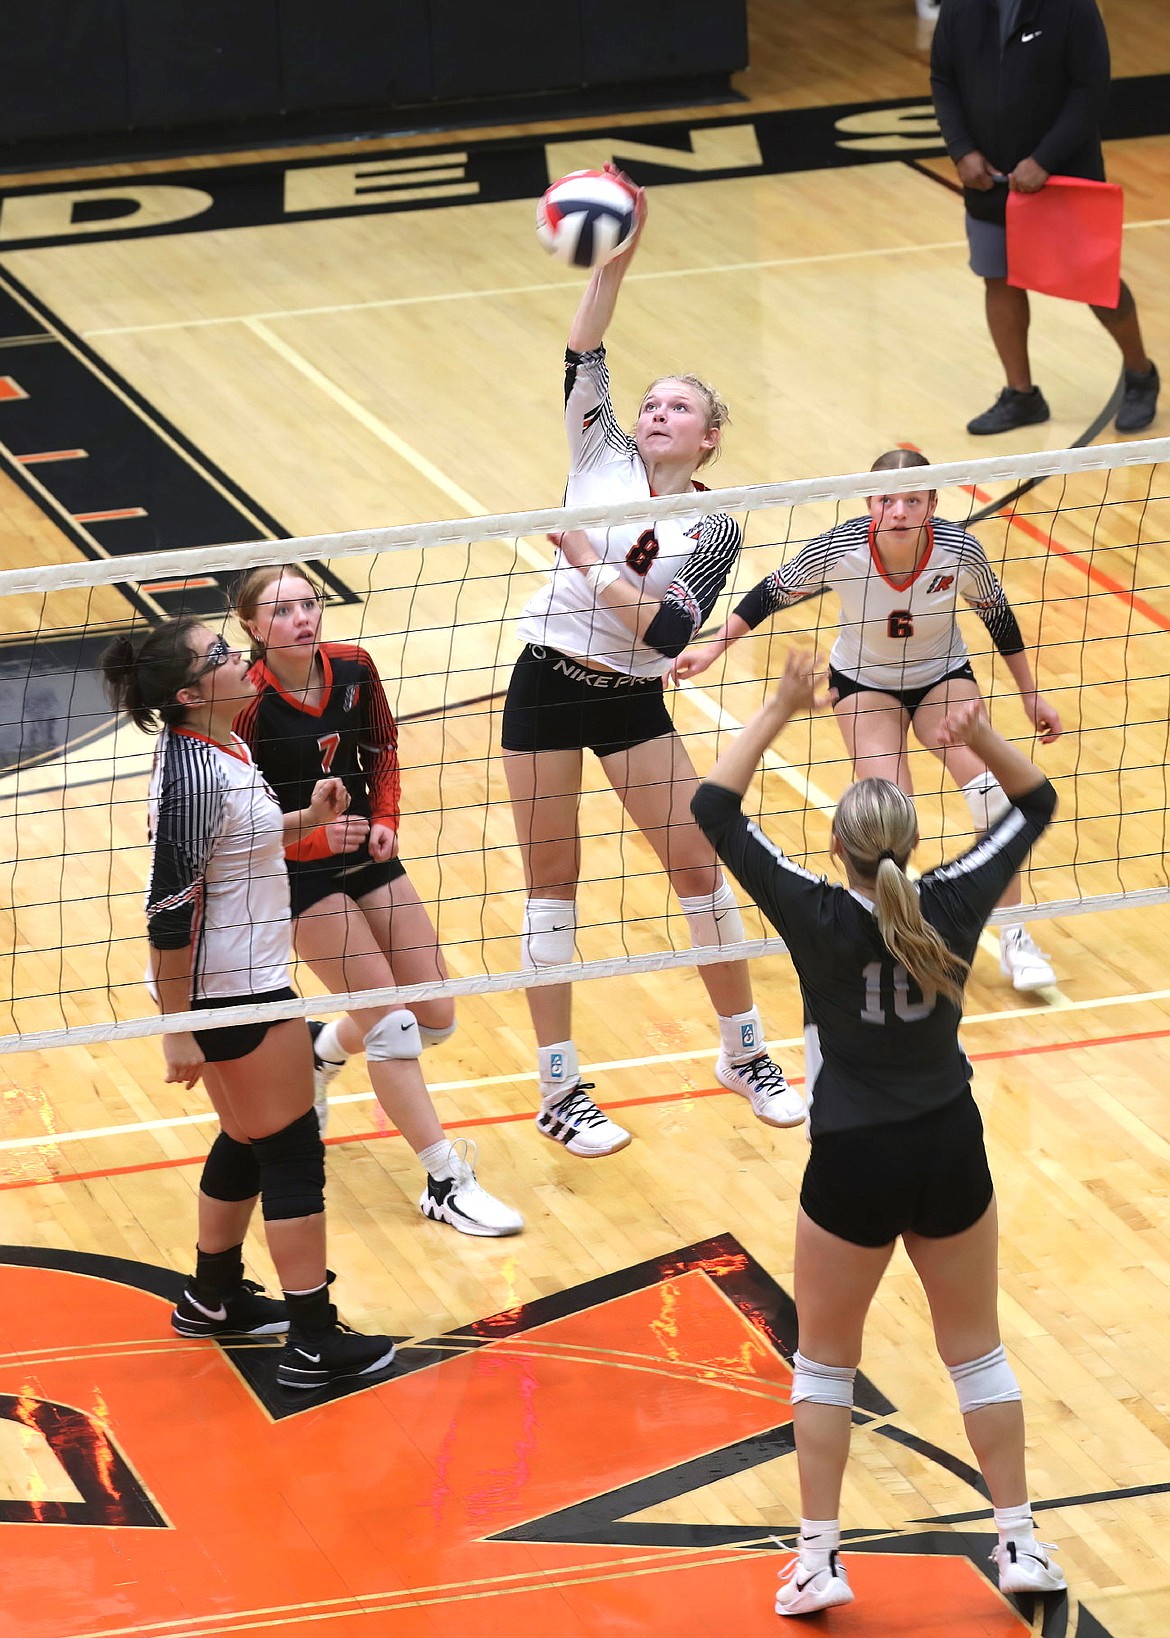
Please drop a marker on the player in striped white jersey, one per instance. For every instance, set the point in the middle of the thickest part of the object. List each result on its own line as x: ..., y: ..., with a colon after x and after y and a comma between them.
x: 619, y: 605
x: 900, y: 659
x: 896, y: 1140
x: 217, y: 913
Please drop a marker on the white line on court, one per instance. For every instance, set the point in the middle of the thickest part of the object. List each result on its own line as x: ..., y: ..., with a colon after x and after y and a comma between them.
x: 533, y: 289
x: 50, y: 1140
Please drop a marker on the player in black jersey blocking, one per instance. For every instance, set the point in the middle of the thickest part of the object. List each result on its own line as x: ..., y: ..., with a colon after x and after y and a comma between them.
x: 320, y: 708
x: 896, y: 1139
x: 601, y: 634
x: 217, y: 915
x: 900, y: 659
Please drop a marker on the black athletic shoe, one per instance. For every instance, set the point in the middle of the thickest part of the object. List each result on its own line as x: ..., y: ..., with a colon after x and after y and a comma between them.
x: 1140, y: 401
x: 246, y: 1313
x: 1011, y: 409
x: 315, y: 1359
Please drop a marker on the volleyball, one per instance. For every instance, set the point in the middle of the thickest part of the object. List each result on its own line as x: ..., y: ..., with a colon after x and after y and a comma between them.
x: 586, y: 218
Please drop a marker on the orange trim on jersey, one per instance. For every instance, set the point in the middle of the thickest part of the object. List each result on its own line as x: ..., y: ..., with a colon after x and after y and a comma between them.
x: 262, y: 672
x: 696, y: 488
x: 242, y: 754
x: 875, y: 559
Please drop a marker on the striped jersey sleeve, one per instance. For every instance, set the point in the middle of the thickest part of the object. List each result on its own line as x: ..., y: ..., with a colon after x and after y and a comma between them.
x: 983, y: 592
x: 803, y: 575
x: 591, y: 425
x: 691, y: 595
x: 378, y: 750
x: 187, y: 820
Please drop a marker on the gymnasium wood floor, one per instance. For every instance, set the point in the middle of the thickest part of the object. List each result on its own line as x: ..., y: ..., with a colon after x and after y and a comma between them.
x: 591, y: 1422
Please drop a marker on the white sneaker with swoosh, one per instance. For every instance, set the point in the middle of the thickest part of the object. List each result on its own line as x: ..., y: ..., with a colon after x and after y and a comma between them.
x: 806, y: 1591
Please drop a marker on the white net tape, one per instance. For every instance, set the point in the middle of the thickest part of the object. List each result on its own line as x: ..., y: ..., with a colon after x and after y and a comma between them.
x: 437, y: 609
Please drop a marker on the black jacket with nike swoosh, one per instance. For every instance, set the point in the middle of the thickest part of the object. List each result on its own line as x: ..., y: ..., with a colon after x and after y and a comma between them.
x: 1039, y: 94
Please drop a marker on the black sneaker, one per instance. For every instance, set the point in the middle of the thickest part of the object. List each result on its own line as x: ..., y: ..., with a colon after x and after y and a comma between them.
x: 246, y: 1313
x: 1140, y: 400
x: 1011, y: 409
x: 314, y: 1360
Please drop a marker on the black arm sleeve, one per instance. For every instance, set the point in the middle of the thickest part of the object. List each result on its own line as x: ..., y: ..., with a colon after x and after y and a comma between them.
x: 755, y: 863
x: 691, y: 595
x: 1003, y: 628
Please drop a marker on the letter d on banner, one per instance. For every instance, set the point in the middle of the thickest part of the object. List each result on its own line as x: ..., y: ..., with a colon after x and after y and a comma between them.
x: 119, y: 209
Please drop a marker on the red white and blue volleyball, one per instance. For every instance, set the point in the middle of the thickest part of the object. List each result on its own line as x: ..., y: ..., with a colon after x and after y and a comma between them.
x: 586, y: 218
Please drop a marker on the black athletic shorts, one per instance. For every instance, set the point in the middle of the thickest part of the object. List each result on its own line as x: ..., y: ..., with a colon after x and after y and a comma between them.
x: 221, y: 1046
x: 555, y: 703
x: 308, y: 887
x: 929, y: 1175
x: 908, y: 698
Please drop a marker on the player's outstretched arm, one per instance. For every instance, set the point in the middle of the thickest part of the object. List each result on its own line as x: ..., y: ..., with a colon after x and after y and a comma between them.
x: 700, y: 658
x: 596, y: 309
x: 968, y: 724
x: 795, y: 694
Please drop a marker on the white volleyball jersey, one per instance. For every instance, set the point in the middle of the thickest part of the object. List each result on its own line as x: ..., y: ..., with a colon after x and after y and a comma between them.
x: 893, y: 636
x: 682, y: 562
x: 218, y: 880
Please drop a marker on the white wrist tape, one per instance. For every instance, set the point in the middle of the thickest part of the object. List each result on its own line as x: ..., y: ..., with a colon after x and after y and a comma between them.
x: 601, y: 575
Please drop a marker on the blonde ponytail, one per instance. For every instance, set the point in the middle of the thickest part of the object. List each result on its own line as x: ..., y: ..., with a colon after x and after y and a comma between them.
x: 877, y: 827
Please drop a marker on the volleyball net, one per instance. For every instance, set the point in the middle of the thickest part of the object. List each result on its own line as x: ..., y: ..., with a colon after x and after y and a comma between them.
x: 1079, y: 538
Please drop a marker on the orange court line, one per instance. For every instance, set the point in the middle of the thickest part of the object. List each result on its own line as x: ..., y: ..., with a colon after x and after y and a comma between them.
x: 106, y: 517
x: 53, y: 455
x: 621, y: 1103
x: 10, y: 388
x: 1105, y: 581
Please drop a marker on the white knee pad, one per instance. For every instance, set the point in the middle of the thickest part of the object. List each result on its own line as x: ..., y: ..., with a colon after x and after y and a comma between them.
x: 988, y: 1380
x: 984, y: 796
x: 713, y: 918
x: 549, y: 935
x: 821, y: 1384
x: 394, y: 1036
x: 435, y: 1037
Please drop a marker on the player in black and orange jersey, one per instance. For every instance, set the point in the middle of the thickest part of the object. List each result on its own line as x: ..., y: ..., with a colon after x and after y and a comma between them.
x: 320, y: 708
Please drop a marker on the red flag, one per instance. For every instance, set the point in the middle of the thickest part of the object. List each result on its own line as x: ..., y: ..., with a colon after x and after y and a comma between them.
x: 1066, y: 240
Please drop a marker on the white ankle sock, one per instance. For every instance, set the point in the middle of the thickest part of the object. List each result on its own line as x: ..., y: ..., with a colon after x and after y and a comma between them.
x: 818, y: 1539
x: 1015, y: 1524
x: 742, y: 1035
x: 559, y: 1070
x: 436, y: 1157
x: 327, y: 1045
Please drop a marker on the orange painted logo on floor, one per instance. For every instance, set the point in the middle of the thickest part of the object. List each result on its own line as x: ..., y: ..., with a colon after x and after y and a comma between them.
x: 504, y: 1481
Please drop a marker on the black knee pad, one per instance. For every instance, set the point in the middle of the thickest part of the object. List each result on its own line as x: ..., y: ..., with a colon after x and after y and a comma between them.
x: 292, y: 1170
x: 231, y: 1170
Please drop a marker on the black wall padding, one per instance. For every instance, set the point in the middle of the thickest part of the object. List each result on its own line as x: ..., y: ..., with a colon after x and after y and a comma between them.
x: 352, y: 52
x: 192, y: 61
x: 481, y: 50
x: 62, y: 67
x: 637, y: 40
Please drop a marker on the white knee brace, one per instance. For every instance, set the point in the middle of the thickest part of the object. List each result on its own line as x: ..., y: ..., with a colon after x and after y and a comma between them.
x: 394, y: 1036
x: 988, y: 1380
x: 549, y: 935
x: 821, y: 1384
x: 434, y: 1037
x: 713, y: 918
x: 984, y: 796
